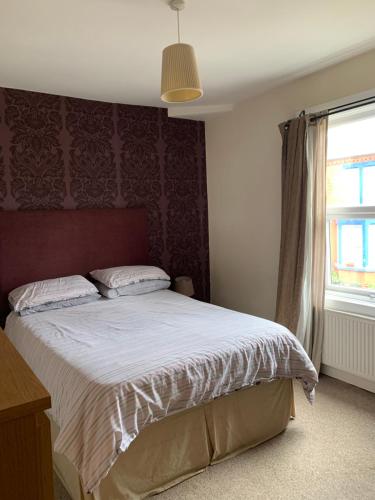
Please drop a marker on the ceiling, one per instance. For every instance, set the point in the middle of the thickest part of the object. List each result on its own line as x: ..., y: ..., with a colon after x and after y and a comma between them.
x: 110, y: 50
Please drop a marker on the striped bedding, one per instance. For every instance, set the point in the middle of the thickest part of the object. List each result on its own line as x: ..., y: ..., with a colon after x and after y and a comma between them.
x: 113, y: 367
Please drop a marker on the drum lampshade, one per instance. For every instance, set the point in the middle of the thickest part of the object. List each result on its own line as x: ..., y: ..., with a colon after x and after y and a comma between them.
x: 179, y: 76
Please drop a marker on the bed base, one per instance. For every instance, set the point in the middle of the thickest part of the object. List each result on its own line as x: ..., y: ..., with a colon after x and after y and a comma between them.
x: 185, y: 444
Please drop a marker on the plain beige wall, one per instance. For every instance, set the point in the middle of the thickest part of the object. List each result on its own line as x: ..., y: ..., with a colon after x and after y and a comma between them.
x: 244, y: 183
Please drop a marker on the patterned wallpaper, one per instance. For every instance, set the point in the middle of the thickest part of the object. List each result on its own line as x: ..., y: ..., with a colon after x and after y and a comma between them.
x: 61, y: 152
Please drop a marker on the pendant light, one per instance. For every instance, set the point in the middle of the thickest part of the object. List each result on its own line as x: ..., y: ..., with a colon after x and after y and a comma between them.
x: 179, y: 75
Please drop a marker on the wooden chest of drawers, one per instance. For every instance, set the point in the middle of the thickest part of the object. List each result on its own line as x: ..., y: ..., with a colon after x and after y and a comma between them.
x: 25, y: 441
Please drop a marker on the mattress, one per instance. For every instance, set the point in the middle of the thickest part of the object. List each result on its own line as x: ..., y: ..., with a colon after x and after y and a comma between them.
x: 114, y: 367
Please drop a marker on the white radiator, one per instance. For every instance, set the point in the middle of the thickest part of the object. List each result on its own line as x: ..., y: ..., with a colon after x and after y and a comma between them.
x: 349, y: 348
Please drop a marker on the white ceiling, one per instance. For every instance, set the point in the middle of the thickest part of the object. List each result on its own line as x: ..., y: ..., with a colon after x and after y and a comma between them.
x: 111, y: 49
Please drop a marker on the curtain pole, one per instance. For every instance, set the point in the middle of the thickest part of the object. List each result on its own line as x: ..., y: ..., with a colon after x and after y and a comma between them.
x: 337, y: 109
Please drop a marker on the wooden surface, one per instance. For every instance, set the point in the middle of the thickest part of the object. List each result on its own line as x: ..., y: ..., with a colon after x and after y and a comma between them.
x: 21, y: 393
x: 45, y: 454
x: 25, y: 439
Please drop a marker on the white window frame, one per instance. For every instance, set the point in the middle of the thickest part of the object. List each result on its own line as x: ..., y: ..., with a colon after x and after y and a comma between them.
x: 348, y: 299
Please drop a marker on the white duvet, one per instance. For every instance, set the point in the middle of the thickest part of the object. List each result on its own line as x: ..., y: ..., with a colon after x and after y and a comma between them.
x: 115, y: 366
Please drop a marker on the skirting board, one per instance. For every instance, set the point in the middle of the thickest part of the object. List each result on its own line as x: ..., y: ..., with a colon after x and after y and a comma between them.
x: 350, y: 378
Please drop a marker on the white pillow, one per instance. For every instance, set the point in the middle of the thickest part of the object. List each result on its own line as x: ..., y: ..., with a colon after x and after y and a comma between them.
x: 52, y: 290
x: 116, y: 277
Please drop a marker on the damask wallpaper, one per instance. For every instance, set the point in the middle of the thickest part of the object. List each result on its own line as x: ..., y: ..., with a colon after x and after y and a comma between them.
x: 61, y: 152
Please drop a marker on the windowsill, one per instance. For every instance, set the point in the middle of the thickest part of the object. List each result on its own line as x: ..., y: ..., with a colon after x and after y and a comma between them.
x: 359, y: 269
x: 350, y: 303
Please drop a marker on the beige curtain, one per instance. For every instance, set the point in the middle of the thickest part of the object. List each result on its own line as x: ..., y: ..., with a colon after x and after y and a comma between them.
x: 293, y: 221
x: 300, y: 304
x: 310, y: 328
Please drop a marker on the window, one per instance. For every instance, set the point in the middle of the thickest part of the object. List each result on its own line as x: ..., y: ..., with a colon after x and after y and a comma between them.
x: 351, y: 207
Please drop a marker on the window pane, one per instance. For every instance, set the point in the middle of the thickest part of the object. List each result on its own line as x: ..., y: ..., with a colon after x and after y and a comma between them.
x: 352, y: 138
x: 351, y: 160
x: 351, y: 253
x: 343, y: 185
x: 350, y: 245
x: 369, y: 186
x: 371, y: 246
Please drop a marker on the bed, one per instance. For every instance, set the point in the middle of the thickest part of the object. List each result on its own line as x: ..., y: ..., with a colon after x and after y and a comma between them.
x: 148, y: 390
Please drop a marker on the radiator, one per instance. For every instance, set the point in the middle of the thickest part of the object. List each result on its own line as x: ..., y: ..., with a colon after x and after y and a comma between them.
x: 349, y: 348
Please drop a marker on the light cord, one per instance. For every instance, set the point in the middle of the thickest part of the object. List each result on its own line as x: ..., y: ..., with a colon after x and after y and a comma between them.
x: 178, y: 26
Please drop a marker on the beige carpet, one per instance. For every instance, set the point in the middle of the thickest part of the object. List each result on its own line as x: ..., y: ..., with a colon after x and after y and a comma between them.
x: 328, y: 452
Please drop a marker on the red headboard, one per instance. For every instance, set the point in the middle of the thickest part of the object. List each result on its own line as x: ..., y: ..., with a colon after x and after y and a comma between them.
x: 37, y: 245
